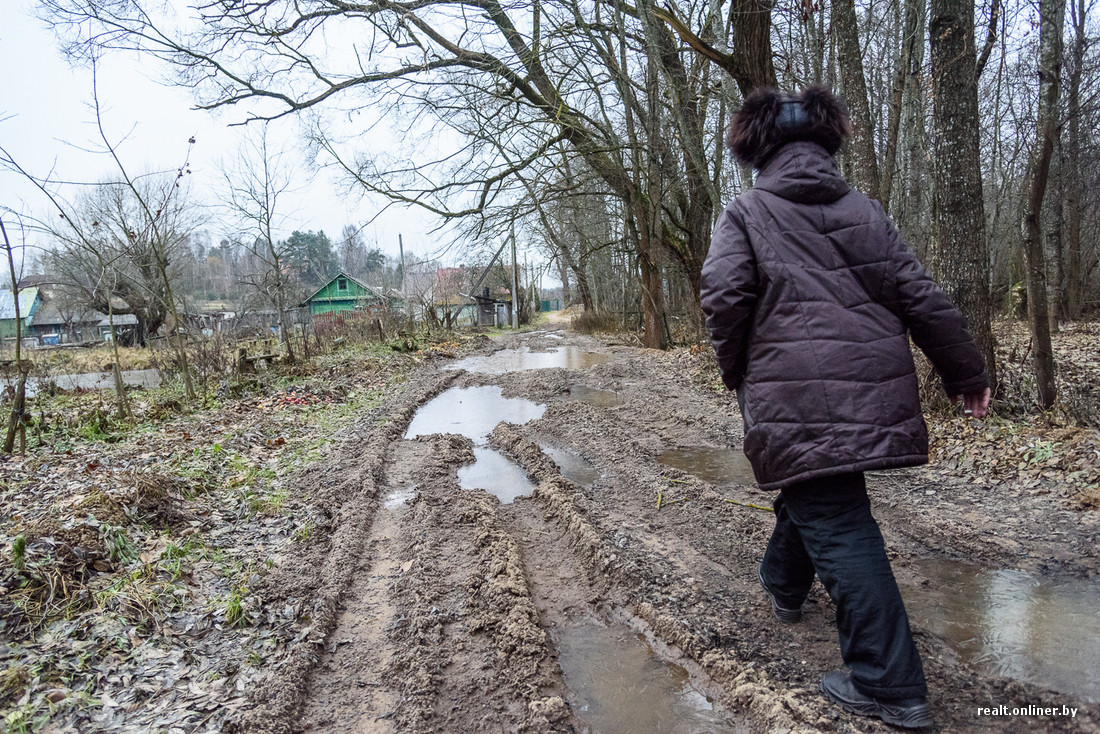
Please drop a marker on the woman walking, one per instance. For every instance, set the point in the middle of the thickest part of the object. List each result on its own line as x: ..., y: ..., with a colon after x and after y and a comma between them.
x: 811, y: 299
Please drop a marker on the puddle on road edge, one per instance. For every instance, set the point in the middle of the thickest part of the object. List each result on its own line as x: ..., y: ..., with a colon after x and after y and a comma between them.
x: 1014, y: 624
x: 523, y: 359
x: 618, y: 685
x: 711, y: 464
x: 474, y: 412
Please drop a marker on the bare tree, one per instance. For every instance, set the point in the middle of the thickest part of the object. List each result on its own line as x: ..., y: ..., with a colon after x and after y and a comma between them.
x: 107, y: 229
x: 256, y: 182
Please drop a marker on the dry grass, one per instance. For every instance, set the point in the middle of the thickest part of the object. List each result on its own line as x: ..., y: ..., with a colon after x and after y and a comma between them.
x: 597, y: 322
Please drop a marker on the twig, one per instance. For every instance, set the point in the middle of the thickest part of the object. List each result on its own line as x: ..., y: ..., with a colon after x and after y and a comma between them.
x: 749, y: 504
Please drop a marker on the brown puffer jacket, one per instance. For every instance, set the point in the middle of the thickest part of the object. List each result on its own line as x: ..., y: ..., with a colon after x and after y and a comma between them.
x: 809, y: 295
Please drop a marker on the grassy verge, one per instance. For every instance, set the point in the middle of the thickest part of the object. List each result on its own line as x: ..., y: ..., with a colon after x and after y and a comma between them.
x: 128, y: 547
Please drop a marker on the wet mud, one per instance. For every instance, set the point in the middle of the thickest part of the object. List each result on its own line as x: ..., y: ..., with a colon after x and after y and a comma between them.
x: 569, y: 598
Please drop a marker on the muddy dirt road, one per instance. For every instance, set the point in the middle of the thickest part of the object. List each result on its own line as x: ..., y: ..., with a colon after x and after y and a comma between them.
x: 601, y: 588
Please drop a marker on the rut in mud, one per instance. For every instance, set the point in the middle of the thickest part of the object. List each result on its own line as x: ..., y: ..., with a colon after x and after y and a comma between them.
x: 602, y: 588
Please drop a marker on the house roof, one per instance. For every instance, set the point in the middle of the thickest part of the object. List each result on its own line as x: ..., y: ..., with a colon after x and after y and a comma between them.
x: 28, y: 298
x: 48, y: 314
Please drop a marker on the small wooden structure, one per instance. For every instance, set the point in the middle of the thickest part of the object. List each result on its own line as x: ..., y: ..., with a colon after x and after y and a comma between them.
x: 269, y: 354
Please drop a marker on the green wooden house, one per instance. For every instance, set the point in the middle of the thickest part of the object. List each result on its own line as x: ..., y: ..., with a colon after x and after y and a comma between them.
x: 343, y: 293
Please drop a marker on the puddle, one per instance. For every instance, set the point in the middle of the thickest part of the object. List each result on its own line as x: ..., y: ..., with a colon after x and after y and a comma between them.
x: 496, y: 474
x: 399, y: 497
x: 572, y: 465
x: 1014, y: 624
x: 598, y: 398
x: 714, y: 465
x: 99, y: 380
x: 474, y: 412
x: 519, y: 360
x: 617, y: 685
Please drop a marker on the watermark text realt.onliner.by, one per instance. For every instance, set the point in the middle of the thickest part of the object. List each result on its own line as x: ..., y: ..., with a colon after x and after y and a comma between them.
x: 1027, y: 711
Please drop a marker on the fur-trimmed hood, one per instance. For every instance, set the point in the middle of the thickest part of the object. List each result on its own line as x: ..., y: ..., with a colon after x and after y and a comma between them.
x: 769, y: 119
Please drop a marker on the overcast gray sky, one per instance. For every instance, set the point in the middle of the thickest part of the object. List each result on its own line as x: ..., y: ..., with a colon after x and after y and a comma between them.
x: 46, y: 123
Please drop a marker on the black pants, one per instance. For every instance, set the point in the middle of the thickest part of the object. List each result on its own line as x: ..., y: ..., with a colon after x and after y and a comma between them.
x: 825, y: 525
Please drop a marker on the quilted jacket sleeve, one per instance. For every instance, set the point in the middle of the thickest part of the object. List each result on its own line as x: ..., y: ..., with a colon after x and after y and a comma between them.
x: 936, y: 326
x: 728, y: 294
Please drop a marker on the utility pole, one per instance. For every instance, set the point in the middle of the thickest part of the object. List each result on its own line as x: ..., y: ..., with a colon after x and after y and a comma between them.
x: 515, y: 283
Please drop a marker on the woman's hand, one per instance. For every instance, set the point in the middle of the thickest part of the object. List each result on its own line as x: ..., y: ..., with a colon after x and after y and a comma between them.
x: 975, y: 404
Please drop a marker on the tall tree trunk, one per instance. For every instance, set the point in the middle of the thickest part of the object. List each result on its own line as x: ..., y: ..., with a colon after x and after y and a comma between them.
x: 861, y: 149
x: 959, y: 259
x: 701, y: 194
x: 910, y: 37
x: 1051, y: 15
x: 911, y: 211
x: 1074, y: 276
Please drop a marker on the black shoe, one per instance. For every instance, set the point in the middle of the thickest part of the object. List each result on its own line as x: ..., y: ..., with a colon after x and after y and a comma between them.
x: 911, y: 713
x: 790, y: 616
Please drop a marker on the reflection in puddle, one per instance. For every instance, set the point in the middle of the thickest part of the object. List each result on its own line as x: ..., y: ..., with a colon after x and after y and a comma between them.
x: 572, y: 465
x: 474, y: 412
x: 618, y: 686
x: 1014, y: 624
x: 714, y: 465
x: 518, y: 360
x: 598, y: 398
x: 495, y: 474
